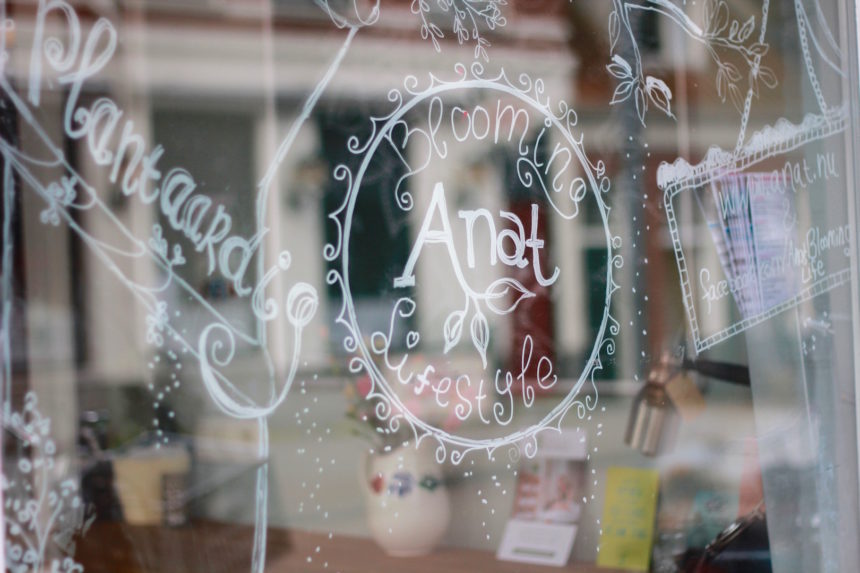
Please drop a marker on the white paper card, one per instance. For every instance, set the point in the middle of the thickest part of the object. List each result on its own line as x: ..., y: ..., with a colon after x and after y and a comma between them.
x: 538, y: 543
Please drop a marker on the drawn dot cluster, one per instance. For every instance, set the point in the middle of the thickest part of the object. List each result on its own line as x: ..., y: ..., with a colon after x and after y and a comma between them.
x: 309, y: 495
x: 166, y: 371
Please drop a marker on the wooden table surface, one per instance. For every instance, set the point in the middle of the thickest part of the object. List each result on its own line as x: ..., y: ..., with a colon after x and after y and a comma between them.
x: 210, y: 547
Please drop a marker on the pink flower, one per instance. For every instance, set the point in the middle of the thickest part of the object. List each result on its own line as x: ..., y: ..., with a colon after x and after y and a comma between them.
x: 452, y: 422
x: 414, y: 406
x: 364, y: 385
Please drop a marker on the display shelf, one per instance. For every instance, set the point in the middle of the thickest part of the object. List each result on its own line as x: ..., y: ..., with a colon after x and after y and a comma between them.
x: 217, y: 547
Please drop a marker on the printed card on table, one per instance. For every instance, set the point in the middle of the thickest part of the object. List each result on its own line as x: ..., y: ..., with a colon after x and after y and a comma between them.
x: 547, y: 504
x: 627, y: 526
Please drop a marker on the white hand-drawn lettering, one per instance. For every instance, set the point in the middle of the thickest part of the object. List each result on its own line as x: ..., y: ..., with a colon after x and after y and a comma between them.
x: 71, y: 56
x: 515, y: 242
x: 772, y: 277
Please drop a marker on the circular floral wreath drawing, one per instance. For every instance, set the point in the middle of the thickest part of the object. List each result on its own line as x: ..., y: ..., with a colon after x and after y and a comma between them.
x: 593, y: 181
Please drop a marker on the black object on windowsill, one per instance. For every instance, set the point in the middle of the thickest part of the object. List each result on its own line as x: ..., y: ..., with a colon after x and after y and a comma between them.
x: 733, y: 373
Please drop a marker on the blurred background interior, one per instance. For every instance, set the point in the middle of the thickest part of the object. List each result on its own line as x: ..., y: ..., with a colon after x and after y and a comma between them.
x: 765, y: 418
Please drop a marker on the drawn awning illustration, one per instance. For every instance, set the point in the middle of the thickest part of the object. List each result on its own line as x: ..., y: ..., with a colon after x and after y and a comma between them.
x: 771, y: 257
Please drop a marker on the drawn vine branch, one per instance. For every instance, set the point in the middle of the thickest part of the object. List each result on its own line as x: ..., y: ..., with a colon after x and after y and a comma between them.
x: 468, y: 17
x: 501, y: 297
x: 721, y: 34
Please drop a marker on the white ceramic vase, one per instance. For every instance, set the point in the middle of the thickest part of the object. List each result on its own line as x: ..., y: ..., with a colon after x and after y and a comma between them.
x: 408, y: 509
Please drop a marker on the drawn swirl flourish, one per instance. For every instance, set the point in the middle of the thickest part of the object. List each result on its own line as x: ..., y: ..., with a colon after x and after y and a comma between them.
x: 593, y: 181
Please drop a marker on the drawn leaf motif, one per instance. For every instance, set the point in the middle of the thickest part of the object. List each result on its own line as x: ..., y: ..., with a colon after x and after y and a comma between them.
x: 753, y: 79
x: 498, y: 295
x: 721, y: 18
x: 481, y: 53
x: 733, y: 30
x: 620, y: 68
x: 453, y: 329
x: 622, y: 92
x: 766, y: 75
x: 660, y: 94
x: 747, y: 29
x: 732, y: 72
x: 614, y: 30
x: 641, y: 104
x: 736, y: 97
x: 708, y: 10
x: 758, y: 49
x: 480, y: 335
x: 721, y: 84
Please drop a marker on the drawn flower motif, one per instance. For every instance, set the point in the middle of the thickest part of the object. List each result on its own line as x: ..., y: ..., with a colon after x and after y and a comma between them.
x: 178, y: 258
x: 156, y: 322
x: 50, y: 215
x: 60, y: 195
x: 157, y: 242
x: 67, y: 565
x: 65, y: 192
x: 37, y: 509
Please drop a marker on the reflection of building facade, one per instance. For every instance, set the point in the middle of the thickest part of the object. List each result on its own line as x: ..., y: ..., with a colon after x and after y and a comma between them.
x: 181, y: 102
x: 184, y: 88
x: 218, y: 85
